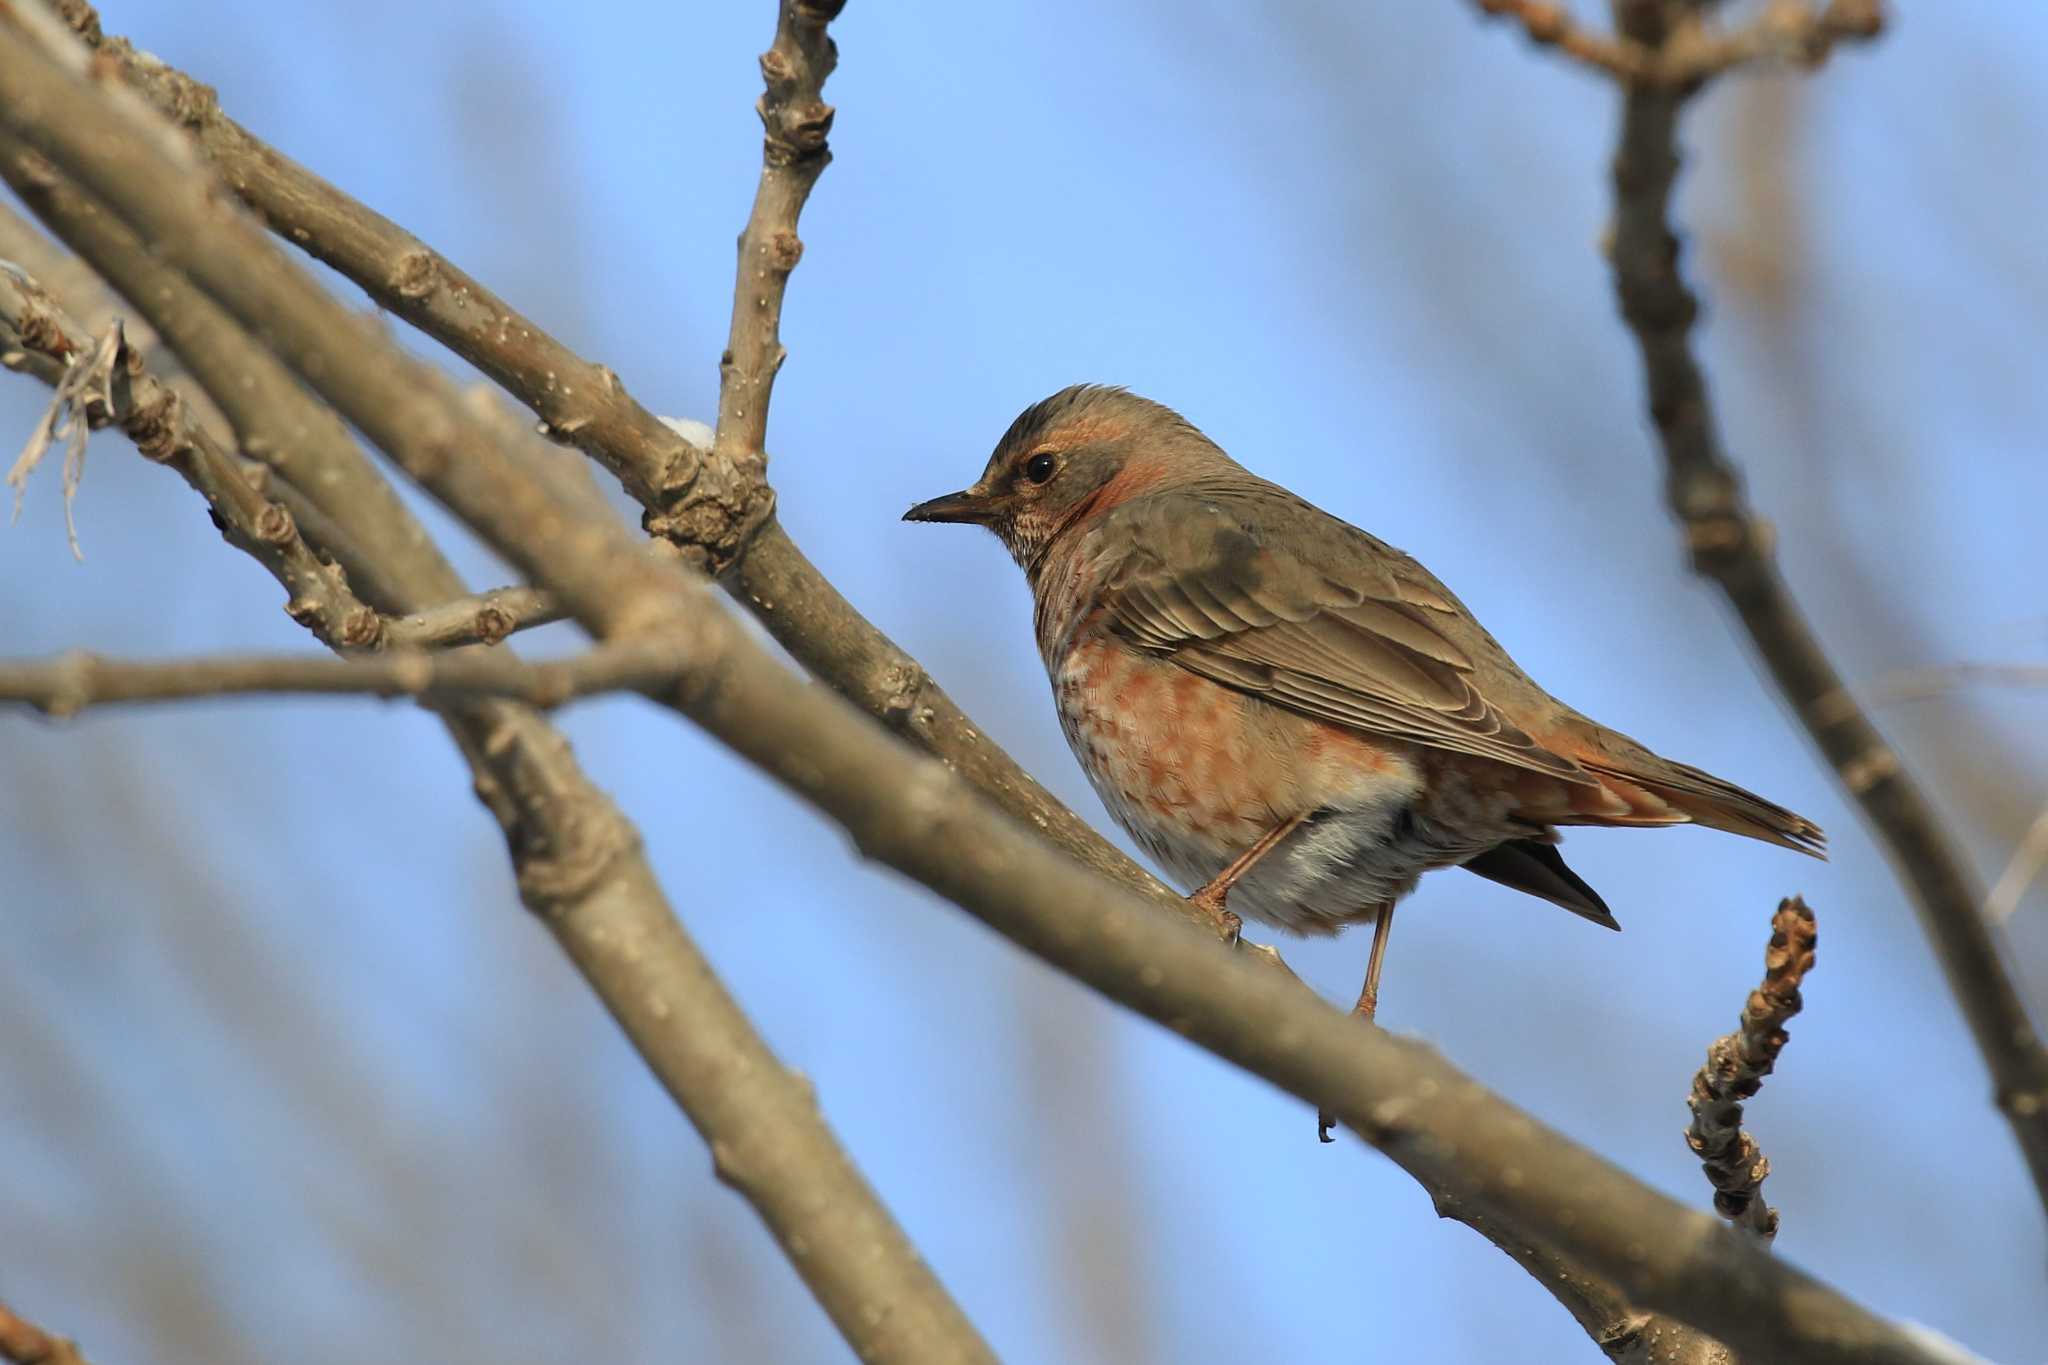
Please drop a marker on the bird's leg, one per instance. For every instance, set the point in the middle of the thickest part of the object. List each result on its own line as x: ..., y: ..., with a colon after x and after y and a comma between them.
x: 1368, y: 998
x: 1210, y: 896
x: 1369, y: 994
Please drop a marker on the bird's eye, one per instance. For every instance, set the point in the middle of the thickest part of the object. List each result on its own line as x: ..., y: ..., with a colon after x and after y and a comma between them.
x: 1039, y: 467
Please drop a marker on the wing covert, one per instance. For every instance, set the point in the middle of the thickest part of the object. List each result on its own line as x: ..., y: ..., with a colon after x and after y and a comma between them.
x: 1352, y: 643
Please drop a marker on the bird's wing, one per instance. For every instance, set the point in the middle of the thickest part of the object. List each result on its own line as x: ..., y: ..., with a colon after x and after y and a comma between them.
x: 1284, y: 602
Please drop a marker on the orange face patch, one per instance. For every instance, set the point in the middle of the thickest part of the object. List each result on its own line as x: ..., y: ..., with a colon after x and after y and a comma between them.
x: 1136, y: 476
x: 1080, y: 432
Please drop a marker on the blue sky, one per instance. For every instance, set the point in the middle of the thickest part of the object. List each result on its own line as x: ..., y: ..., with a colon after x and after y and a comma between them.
x: 289, y: 1073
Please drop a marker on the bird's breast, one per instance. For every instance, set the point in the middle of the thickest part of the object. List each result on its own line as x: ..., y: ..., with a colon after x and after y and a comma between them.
x: 1196, y: 772
x: 1175, y: 757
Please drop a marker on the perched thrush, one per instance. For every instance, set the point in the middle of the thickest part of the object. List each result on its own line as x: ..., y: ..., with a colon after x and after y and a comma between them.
x: 1284, y: 710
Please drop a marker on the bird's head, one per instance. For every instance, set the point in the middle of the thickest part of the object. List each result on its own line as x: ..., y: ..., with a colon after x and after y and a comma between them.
x: 1071, y: 458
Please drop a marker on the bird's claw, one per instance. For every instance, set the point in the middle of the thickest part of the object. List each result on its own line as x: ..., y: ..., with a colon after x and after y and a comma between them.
x: 1210, y: 902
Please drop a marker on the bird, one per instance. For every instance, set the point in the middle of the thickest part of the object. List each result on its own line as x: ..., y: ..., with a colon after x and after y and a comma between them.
x: 1293, y: 718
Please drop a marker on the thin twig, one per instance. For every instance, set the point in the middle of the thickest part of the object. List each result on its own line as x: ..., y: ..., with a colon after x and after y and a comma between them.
x: 93, y: 304
x: 1790, y: 31
x: 1920, y: 684
x: 580, y: 402
x: 795, y: 121
x: 152, y: 415
x: 1732, y: 547
x: 1735, y: 1069
x: 916, y: 816
x: 2026, y: 863
x: 1550, y: 24
x: 306, y: 445
x: 367, y: 529
x: 1793, y: 32
x: 85, y: 380
x: 77, y: 681
x: 24, y: 1343
x: 485, y: 619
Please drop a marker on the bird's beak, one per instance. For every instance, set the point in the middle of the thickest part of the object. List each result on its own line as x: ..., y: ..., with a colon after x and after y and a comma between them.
x: 966, y: 505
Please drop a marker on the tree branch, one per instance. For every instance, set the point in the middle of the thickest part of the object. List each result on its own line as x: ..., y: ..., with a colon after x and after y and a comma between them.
x: 485, y: 619
x: 580, y: 402
x: 306, y: 447
x: 24, y: 1343
x: 1732, y: 547
x: 916, y: 816
x: 1625, y: 1334
x: 796, y: 121
x: 1694, y: 51
x: 64, y: 686
x: 1735, y: 1069
x: 581, y: 869
x: 152, y: 415
x: 1550, y: 24
x: 1919, y: 684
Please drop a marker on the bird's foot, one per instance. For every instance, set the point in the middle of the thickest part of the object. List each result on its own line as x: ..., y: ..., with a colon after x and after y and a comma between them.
x: 1210, y: 901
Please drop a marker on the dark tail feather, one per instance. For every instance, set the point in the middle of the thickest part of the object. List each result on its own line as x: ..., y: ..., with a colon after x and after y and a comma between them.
x: 1723, y: 805
x: 1536, y: 867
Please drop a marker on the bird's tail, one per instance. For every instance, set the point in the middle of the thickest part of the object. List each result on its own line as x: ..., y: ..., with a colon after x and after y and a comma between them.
x: 1708, y: 800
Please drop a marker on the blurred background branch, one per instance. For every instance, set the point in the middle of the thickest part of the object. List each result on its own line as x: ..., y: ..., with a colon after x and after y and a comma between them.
x: 1732, y: 547
x: 24, y: 1343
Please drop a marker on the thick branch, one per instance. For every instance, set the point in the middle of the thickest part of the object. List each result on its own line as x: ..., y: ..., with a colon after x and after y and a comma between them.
x: 1733, y: 548
x: 1735, y: 1069
x: 916, y: 816
x: 1626, y: 1334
